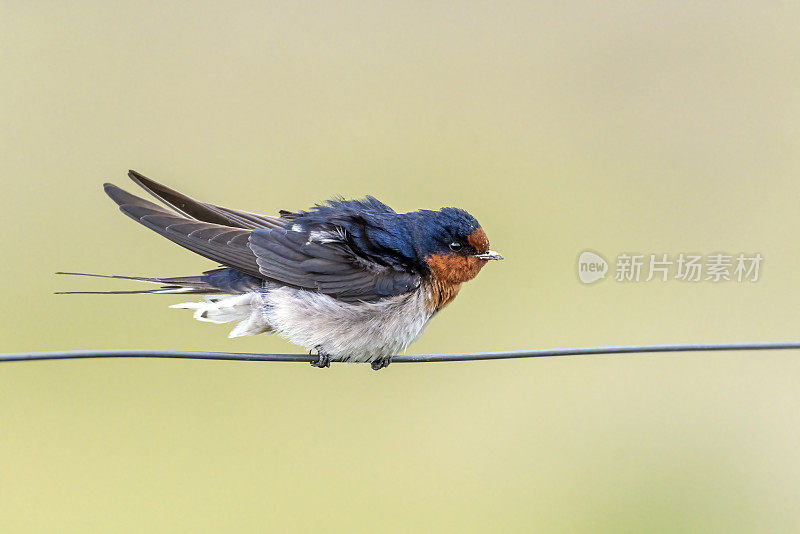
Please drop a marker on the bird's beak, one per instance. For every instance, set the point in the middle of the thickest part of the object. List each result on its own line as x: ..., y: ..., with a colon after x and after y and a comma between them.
x: 488, y: 255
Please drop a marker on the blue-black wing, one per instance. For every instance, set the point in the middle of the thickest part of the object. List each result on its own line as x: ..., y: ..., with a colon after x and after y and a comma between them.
x: 333, y: 268
x: 266, y: 247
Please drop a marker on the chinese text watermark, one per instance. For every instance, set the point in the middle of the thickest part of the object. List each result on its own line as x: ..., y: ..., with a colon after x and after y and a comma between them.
x: 684, y: 267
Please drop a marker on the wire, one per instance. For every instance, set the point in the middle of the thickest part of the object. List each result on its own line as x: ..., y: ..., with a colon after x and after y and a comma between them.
x: 410, y: 358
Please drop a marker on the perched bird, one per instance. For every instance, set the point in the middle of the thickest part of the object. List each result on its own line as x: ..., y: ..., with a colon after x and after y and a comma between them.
x: 351, y: 279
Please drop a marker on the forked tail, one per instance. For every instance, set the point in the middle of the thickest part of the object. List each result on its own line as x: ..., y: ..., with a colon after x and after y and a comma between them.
x: 170, y: 285
x: 224, y: 280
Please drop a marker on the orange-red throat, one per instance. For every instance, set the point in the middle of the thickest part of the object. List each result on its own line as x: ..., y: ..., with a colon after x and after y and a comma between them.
x: 454, y: 268
x: 450, y: 269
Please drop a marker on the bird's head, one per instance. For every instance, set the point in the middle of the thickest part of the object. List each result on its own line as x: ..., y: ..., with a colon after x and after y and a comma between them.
x: 450, y: 243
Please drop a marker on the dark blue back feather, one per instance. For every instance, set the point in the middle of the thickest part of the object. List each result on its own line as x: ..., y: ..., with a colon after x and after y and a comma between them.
x: 378, y: 233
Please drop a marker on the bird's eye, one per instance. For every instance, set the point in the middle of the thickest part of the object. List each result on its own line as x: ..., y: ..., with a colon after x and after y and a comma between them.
x: 455, y: 246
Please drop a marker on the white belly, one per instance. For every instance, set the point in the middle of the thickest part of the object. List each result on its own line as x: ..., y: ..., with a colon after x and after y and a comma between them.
x: 357, y: 332
x: 354, y: 332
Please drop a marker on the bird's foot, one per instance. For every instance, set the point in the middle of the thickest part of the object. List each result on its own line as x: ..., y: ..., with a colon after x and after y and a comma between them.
x: 323, y: 359
x: 377, y: 365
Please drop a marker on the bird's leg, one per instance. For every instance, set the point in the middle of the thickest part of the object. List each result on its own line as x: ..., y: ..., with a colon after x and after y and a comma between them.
x: 377, y: 365
x: 323, y: 359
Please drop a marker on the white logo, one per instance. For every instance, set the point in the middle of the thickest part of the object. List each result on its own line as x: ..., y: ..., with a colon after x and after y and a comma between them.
x: 591, y: 267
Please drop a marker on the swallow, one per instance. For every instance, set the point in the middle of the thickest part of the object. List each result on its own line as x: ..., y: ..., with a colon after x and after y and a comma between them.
x: 350, y: 279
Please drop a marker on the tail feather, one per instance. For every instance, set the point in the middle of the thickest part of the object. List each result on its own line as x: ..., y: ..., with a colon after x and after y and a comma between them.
x: 239, y: 300
x: 170, y: 285
x: 166, y: 290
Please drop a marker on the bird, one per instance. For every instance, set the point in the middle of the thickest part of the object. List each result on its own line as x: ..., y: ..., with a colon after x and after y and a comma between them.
x: 352, y: 280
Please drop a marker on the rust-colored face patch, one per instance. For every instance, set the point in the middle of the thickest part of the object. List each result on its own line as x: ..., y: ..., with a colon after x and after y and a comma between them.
x: 478, y: 240
x: 451, y: 268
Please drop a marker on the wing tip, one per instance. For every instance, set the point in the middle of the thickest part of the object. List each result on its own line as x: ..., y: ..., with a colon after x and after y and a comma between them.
x: 124, y: 200
x: 110, y: 188
x: 117, y: 194
x: 140, y: 179
x: 151, y: 186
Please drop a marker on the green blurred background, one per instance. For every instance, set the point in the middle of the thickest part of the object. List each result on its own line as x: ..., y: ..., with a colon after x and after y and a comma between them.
x: 649, y: 127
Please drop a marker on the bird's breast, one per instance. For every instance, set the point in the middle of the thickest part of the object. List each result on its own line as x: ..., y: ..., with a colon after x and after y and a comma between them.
x: 363, y: 331
x: 439, y: 293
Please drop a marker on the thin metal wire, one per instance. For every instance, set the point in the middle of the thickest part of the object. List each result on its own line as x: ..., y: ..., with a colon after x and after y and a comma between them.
x: 410, y: 358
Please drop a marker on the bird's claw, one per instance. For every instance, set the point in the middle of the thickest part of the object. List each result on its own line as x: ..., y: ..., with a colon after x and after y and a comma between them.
x: 377, y: 365
x: 323, y: 360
